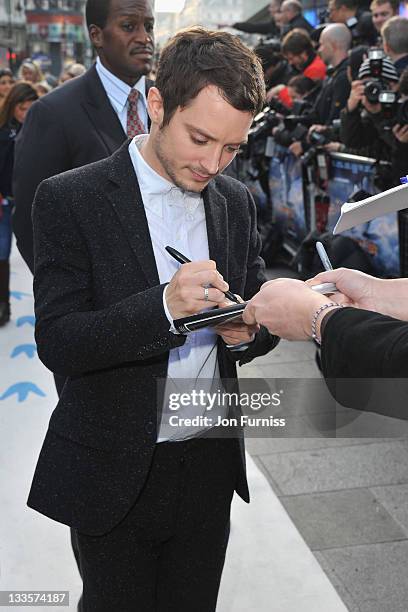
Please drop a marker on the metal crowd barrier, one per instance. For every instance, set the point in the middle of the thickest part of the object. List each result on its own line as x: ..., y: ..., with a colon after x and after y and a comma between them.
x: 307, y: 197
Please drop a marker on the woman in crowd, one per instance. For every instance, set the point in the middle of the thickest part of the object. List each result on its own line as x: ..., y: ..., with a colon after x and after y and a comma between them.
x: 12, y: 115
x: 30, y: 72
x: 6, y: 83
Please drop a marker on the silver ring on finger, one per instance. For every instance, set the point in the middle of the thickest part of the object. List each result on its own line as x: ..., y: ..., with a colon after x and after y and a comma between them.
x: 206, y: 294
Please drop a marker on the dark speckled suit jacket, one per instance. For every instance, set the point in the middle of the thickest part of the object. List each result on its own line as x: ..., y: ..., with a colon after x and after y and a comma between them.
x: 100, y: 322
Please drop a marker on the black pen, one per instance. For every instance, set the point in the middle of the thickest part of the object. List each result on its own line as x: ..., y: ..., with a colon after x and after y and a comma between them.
x: 183, y: 259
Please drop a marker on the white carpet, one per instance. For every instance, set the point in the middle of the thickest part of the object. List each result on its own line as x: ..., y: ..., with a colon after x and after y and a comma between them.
x: 269, y: 567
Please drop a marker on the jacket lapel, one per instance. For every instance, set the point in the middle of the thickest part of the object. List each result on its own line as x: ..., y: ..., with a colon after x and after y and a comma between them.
x: 100, y: 112
x: 216, y: 216
x: 127, y: 202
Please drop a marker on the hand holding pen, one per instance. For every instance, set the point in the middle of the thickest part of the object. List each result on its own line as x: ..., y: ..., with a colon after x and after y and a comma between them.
x: 195, y: 286
x: 184, y: 260
x: 324, y: 288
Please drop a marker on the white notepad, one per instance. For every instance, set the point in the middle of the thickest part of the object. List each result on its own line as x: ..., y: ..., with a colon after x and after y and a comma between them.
x: 356, y: 213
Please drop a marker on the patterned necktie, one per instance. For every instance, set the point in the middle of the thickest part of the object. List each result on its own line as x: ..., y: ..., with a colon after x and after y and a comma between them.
x: 134, y: 124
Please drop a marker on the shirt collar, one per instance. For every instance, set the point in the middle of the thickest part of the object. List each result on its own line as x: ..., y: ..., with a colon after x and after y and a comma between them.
x: 157, y: 188
x: 117, y: 89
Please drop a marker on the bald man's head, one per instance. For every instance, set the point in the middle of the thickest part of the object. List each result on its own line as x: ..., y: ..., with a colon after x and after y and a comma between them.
x: 334, y: 44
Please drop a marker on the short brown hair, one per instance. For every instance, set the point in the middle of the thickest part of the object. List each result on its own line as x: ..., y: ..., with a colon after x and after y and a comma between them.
x: 296, y: 42
x: 196, y: 57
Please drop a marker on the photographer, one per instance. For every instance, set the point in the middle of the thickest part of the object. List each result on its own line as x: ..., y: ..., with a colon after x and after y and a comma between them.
x: 277, y: 71
x: 359, y: 22
x: 268, y: 28
x: 364, y: 124
x: 333, y: 48
x: 291, y: 17
x: 297, y: 48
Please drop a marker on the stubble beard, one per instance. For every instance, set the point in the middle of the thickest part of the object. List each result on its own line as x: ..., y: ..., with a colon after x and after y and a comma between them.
x: 168, y: 166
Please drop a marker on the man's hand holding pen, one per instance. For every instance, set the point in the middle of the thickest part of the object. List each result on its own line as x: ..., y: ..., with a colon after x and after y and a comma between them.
x: 200, y: 281
x: 198, y: 285
x: 189, y: 290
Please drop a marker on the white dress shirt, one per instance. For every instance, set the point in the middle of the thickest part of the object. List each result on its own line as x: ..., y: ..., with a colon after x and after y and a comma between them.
x: 177, y: 219
x: 118, y: 93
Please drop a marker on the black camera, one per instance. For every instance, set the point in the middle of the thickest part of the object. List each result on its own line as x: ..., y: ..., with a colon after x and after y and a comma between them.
x: 262, y: 127
x: 286, y: 136
x: 263, y: 123
x: 373, y: 89
x: 331, y: 133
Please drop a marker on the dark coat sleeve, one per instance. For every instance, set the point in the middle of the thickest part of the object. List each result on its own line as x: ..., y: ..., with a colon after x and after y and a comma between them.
x: 72, y: 336
x: 262, y: 27
x: 363, y: 344
x: 41, y: 152
x: 363, y: 353
x: 355, y: 133
x: 341, y: 92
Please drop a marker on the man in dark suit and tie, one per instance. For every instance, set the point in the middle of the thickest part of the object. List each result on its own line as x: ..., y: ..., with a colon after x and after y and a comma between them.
x: 150, y: 503
x: 89, y: 117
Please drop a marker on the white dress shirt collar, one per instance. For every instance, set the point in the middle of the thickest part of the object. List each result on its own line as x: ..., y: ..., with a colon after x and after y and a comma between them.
x: 118, y: 91
x: 153, y: 184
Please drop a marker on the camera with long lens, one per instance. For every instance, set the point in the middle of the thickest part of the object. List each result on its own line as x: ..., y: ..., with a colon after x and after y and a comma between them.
x: 285, y: 136
x: 261, y: 128
x: 319, y: 139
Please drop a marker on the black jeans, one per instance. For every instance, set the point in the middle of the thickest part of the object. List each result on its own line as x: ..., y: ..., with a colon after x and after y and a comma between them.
x: 167, y: 554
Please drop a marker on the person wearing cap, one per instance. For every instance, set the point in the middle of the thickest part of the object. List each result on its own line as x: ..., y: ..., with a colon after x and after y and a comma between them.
x: 363, y: 123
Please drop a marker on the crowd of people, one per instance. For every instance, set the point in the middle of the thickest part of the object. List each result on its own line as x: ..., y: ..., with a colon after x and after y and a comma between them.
x: 352, y: 66
x: 344, y: 82
x: 17, y: 94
